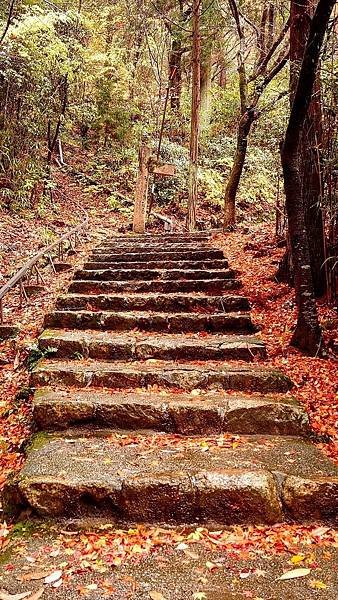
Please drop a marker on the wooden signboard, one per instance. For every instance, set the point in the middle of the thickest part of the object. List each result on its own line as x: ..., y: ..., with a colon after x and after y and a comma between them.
x: 165, y: 170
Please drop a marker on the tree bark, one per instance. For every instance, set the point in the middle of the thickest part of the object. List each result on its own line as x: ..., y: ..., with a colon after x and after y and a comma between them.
x: 222, y: 77
x: 310, y: 144
x: 175, y: 74
x: 307, y: 335
x: 195, y: 116
x: 237, y: 168
x: 141, y: 190
x: 206, y: 70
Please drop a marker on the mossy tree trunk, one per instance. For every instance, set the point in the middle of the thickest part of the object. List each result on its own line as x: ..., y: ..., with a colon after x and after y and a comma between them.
x: 237, y: 168
x: 307, y: 334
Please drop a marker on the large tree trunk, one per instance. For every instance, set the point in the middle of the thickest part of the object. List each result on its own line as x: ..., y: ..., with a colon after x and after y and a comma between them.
x: 237, y: 168
x: 307, y: 335
x: 310, y: 144
x: 195, y: 116
x: 312, y: 194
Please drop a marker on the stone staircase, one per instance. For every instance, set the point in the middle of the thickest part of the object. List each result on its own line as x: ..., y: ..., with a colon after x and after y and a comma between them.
x: 152, y: 341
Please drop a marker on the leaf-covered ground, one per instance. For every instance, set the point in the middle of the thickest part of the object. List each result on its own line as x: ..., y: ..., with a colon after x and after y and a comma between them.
x: 140, y: 563
x: 256, y: 255
x: 21, y: 237
x: 158, y: 563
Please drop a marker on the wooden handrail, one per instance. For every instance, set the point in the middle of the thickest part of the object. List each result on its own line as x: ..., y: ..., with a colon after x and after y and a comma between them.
x: 31, y: 263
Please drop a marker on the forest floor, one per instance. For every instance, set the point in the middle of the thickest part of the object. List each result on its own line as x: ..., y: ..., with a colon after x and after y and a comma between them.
x: 149, y: 562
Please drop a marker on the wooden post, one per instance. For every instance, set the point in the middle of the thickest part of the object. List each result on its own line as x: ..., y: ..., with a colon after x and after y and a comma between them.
x: 141, y: 190
x: 195, y: 115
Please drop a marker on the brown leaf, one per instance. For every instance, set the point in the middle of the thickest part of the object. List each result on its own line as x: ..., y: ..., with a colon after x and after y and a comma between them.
x: 156, y: 596
x: 4, y: 595
x: 33, y: 576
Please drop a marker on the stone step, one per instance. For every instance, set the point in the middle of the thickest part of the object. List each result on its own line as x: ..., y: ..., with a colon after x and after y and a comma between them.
x: 153, y: 237
x: 161, y: 478
x: 112, y: 346
x: 105, y: 256
x: 211, y: 286
x: 152, y: 246
x: 206, y: 265
x: 186, y: 414
x: 154, y: 302
x: 148, y: 321
x: 166, y: 374
x: 152, y: 274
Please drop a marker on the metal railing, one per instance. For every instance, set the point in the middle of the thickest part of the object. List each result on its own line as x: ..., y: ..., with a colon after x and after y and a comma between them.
x: 31, y: 266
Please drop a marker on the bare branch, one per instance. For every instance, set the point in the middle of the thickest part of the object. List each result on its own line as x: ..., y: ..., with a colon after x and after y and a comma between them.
x: 9, y: 20
x: 243, y: 84
x: 236, y: 16
x: 264, y: 63
x: 277, y: 67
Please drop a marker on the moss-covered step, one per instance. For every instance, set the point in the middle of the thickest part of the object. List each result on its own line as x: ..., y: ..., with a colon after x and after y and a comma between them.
x: 187, y: 414
x: 211, y: 286
x: 154, y: 302
x: 164, y: 254
x: 184, y: 375
x: 134, y: 246
x: 152, y: 274
x: 206, y: 265
x: 110, y: 345
x: 154, y: 478
x: 149, y: 321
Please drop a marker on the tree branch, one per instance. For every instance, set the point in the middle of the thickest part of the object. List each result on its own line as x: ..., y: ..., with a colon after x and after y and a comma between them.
x: 236, y: 16
x: 9, y: 20
x: 278, y: 66
x: 264, y: 62
x: 243, y: 84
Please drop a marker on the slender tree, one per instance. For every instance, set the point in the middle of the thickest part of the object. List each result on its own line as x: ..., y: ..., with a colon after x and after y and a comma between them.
x: 263, y: 74
x: 195, y: 116
x: 11, y: 7
x: 307, y: 335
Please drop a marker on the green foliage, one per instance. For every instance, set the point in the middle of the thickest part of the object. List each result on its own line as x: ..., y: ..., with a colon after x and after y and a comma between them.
x: 173, y: 188
x: 258, y: 186
x: 224, y: 107
x: 114, y: 57
x: 36, y: 354
x: 39, y: 50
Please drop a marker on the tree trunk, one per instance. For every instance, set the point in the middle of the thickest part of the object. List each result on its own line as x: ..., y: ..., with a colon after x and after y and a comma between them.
x: 206, y: 71
x: 237, y: 168
x: 195, y: 116
x: 307, y: 335
x: 175, y: 74
x: 141, y: 191
x: 311, y: 167
x: 222, y: 76
x: 310, y: 144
